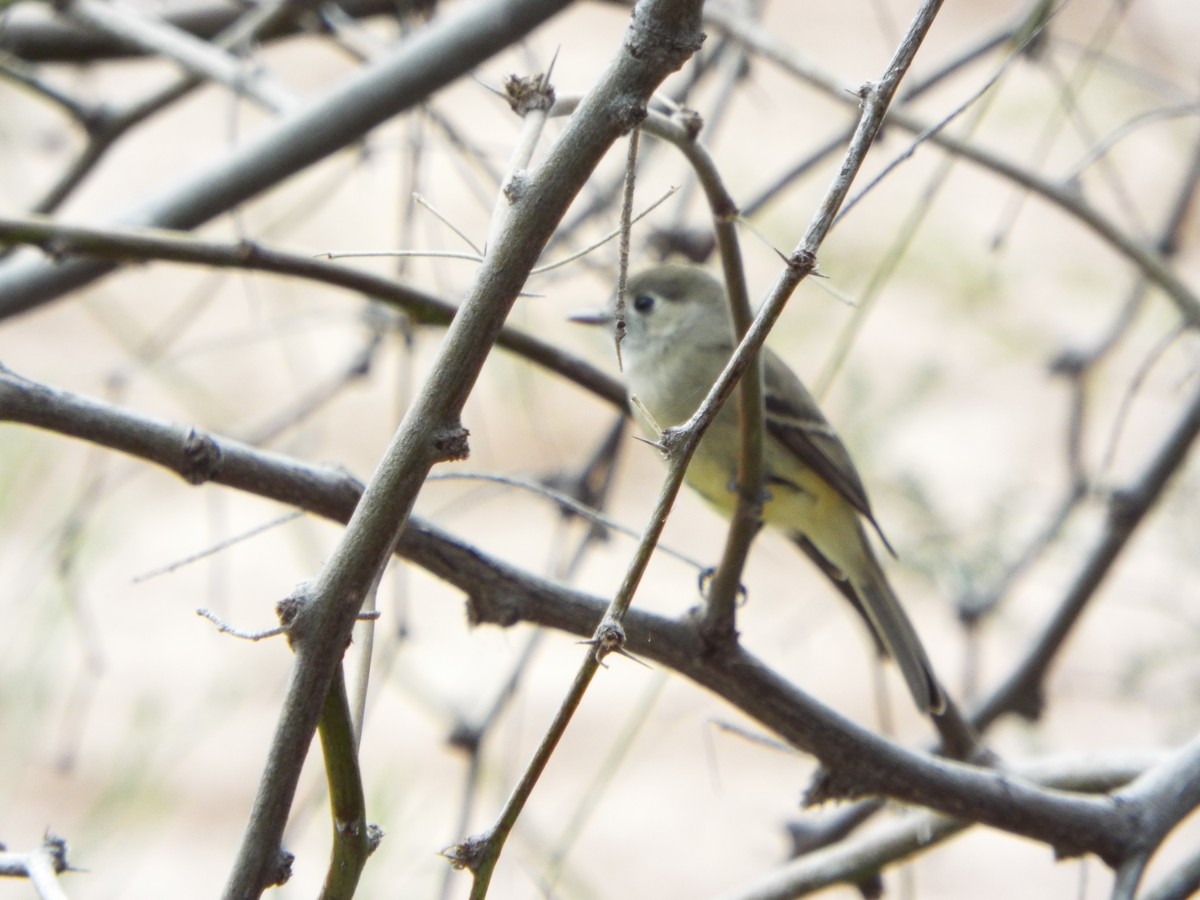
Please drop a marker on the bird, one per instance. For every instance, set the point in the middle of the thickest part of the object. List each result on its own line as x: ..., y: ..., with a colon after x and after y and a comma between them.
x: 678, y: 339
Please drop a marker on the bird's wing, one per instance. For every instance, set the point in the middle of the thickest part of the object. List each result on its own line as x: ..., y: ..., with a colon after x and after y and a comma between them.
x: 794, y: 420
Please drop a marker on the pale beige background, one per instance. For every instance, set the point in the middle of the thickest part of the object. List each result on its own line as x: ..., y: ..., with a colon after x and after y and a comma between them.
x: 131, y: 727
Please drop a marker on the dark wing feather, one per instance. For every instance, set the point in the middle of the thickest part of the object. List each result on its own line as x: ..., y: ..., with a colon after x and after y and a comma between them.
x: 794, y: 420
x: 838, y: 580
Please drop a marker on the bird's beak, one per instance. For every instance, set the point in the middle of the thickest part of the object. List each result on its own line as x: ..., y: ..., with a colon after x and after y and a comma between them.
x: 591, y: 317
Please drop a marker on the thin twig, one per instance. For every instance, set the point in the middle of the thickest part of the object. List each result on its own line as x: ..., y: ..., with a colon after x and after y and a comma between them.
x: 195, y: 56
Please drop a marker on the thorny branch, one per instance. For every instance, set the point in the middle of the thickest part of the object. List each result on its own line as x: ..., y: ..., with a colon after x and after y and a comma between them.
x: 1124, y: 829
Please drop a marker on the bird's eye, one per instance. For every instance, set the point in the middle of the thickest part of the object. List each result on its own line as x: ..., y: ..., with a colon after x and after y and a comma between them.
x: 643, y: 303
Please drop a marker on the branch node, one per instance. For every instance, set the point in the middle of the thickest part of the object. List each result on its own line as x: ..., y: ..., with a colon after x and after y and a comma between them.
x: 466, y: 736
x: 829, y: 785
x: 865, y: 92
x: 671, y: 440
x: 803, y: 261
x: 1071, y: 364
x: 288, y: 609
x: 55, y: 848
x: 468, y: 854
x: 610, y: 638
x: 248, y: 251
x: 630, y: 115
x: 514, y: 188
x: 281, y: 870
x: 201, y: 458
x: 690, y: 121
x: 375, y: 836
x: 532, y: 93
x: 450, y: 443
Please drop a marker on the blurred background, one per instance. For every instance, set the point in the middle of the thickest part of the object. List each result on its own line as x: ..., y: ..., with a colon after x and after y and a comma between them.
x: 981, y: 351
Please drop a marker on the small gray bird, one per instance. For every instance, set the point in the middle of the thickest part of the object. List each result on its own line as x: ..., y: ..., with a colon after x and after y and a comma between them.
x: 678, y: 340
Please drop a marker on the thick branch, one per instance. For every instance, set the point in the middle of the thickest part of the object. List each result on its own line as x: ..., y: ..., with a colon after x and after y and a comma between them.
x: 660, y: 37
x: 433, y: 57
x: 1127, y: 510
x: 31, y: 32
x: 124, y: 244
x: 502, y: 595
x: 1071, y: 823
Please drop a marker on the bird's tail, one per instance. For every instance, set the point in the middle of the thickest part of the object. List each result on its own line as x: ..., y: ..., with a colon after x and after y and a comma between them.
x: 893, y: 629
x: 860, y: 579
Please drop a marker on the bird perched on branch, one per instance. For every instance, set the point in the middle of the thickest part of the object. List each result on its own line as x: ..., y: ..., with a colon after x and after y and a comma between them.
x: 678, y: 340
